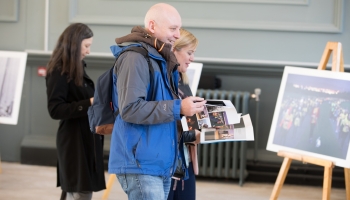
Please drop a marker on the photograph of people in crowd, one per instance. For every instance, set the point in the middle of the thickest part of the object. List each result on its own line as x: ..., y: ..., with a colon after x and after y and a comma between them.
x: 314, y: 115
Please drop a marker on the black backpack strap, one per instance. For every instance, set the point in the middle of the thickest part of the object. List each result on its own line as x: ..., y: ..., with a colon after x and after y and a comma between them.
x: 144, y: 52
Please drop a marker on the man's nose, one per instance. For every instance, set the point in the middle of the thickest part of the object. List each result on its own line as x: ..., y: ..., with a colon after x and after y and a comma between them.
x: 177, y: 34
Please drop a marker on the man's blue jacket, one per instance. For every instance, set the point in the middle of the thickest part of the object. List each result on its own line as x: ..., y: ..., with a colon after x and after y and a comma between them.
x: 144, y: 138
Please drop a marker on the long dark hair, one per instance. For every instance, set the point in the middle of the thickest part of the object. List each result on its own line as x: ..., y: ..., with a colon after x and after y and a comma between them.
x: 66, y: 56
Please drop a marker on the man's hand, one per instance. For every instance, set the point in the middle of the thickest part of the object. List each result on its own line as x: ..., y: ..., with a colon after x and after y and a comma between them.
x: 192, y: 105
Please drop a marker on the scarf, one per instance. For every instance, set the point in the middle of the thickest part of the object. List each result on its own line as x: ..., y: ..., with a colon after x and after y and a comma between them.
x: 139, y: 34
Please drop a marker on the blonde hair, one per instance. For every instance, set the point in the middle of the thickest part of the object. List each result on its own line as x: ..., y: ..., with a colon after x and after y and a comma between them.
x: 186, y: 39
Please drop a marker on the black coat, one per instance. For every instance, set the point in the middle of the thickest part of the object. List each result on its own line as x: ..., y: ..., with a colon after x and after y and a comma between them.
x: 187, y: 136
x: 80, y: 153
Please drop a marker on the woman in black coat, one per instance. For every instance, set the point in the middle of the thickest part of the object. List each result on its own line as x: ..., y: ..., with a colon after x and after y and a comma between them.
x: 80, y: 168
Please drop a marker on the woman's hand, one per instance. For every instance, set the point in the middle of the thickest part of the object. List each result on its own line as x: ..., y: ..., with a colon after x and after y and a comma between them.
x: 198, y: 137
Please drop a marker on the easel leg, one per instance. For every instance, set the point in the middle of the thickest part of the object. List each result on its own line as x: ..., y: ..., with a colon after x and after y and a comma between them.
x: 280, y: 178
x: 327, y: 183
x: 110, y: 182
x: 347, y: 182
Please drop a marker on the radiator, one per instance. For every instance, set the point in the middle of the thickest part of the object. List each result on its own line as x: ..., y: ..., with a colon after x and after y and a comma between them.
x: 224, y: 159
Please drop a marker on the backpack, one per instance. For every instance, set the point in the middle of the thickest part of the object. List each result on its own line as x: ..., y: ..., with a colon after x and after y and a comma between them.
x: 101, y: 113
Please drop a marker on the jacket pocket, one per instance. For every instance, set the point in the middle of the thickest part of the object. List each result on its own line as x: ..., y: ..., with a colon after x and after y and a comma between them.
x: 156, y: 146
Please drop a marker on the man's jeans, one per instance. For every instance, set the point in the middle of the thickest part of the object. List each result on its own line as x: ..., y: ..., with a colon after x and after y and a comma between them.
x: 145, y: 187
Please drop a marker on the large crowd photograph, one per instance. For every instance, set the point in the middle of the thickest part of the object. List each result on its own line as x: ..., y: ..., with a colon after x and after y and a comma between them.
x: 312, y: 114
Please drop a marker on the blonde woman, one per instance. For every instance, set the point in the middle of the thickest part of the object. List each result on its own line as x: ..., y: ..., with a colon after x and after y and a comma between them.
x: 184, y: 49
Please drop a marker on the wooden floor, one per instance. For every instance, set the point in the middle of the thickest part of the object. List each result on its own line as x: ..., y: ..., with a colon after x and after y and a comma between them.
x: 28, y: 182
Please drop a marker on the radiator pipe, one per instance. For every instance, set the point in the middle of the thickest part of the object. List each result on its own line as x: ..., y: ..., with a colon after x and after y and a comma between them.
x: 243, y: 165
x: 257, y: 92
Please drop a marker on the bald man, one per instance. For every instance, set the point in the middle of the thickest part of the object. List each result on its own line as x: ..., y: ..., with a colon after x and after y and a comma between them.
x: 144, y: 141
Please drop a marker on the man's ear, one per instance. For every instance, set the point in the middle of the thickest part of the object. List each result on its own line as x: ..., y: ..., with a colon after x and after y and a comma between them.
x: 151, y: 26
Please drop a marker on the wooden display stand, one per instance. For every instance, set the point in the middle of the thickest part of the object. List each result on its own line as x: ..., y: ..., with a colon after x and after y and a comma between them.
x: 288, y: 157
x: 337, y: 65
x: 109, y: 185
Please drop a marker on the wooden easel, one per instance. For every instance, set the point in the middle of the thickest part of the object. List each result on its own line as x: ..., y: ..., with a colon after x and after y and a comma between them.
x: 338, y: 66
x: 337, y: 60
x: 109, y: 185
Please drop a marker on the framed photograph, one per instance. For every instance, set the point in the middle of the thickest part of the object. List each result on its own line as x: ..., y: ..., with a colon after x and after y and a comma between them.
x: 194, y: 72
x: 312, y: 115
x: 12, y: 69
